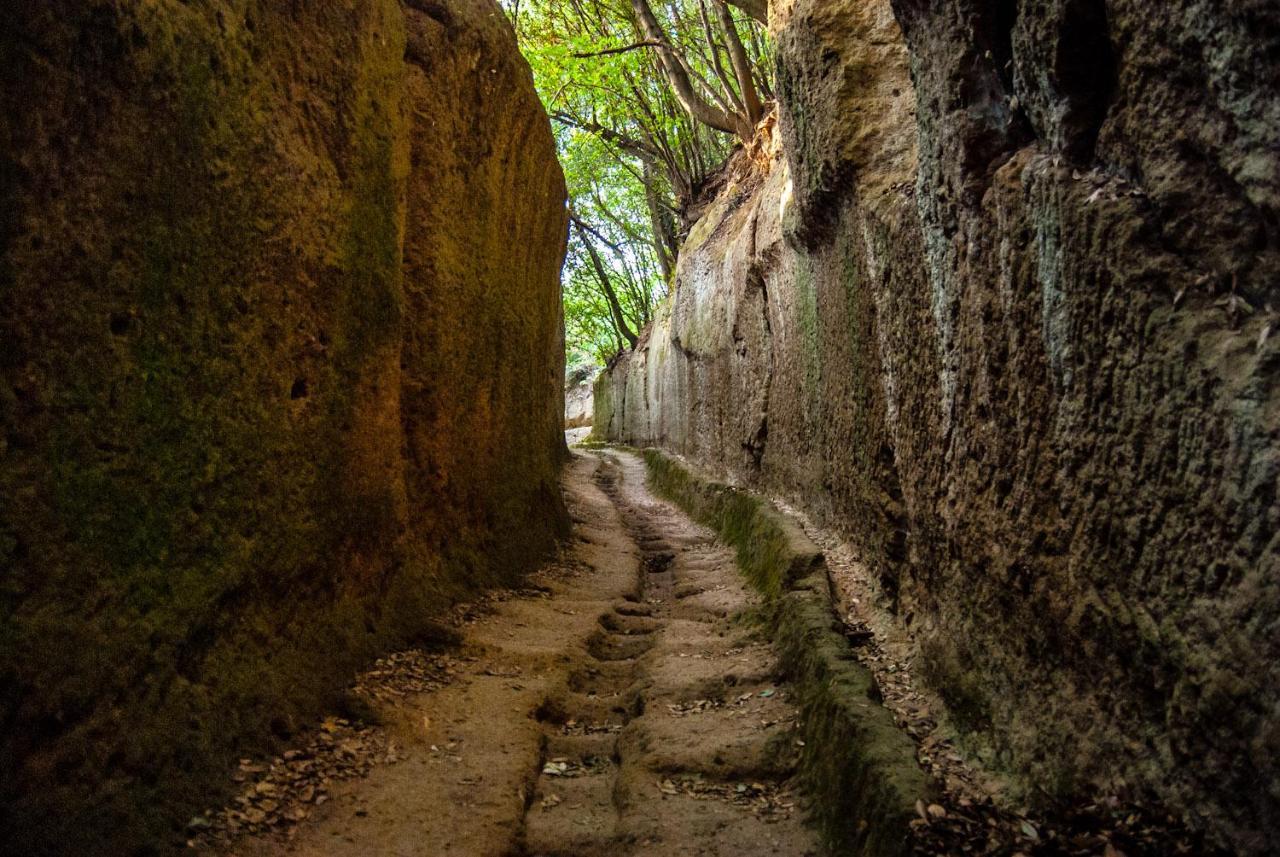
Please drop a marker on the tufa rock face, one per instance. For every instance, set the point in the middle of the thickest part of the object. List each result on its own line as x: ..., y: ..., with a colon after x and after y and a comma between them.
x: 248, y: 252
x: 579, y: 390
x: 578, y: 409
x: 1001, y: 314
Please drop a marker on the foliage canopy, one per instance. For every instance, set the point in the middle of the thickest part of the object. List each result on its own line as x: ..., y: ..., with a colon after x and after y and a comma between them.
x: 647, y: 101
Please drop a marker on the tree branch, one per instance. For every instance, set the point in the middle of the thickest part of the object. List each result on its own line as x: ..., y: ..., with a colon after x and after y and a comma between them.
x: 615, y: 308
x: 741, y: 65
x: 622, y: 141
x: 688, y: 97
x: 622, y: 50
x: 758, y: 9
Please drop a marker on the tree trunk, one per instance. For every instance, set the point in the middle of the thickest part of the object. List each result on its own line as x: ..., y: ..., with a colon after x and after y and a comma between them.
x: 615, y: 308
x: 699, y: 108
x: 741, y: 66
x: 664, y: 233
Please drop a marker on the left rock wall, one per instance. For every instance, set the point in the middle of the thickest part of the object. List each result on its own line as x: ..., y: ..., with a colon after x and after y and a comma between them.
x: 280, y: 376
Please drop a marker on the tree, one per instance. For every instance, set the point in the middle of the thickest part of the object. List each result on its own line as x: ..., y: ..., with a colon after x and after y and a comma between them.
x: 635, y: 156
x: 619, y: 318
x: 735, y: 112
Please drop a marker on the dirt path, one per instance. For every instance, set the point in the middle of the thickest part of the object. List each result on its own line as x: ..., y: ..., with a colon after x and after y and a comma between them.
x: 626, y: 705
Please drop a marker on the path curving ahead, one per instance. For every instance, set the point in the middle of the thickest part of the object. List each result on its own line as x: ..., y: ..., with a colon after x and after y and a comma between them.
x: 625, y: 704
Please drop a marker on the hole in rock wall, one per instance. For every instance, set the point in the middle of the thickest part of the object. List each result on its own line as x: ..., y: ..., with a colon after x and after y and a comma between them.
x: 1086, y: 67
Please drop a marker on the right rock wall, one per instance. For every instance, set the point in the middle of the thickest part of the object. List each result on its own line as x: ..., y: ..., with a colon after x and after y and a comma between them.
x: 999, y: 308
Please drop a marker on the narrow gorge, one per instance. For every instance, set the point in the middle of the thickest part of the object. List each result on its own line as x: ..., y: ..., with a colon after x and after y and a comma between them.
x: 930, y: 499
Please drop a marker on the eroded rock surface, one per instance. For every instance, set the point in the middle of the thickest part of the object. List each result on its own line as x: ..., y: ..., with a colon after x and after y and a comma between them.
x: 248, y: 255
x: 579, y: 396
x: 1000, y: 313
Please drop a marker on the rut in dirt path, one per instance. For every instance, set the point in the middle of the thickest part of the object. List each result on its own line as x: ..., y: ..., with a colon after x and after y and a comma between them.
x: 625, y: 703
x: 701, y: 741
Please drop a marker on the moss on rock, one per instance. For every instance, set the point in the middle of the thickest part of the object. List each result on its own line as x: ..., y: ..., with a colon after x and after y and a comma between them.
x: 859, y: 769
x: 238, y: 458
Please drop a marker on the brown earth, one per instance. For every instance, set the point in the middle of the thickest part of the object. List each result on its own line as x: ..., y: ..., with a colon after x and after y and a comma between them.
x: 280, y: 377
x: 624, y: 702
x: 1000, y: 315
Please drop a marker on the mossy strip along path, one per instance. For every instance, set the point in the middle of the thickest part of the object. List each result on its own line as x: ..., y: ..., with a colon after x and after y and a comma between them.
x: 626, y: 703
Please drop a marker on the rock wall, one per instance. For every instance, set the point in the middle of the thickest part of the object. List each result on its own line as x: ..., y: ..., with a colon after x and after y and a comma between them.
x: 579, y: 393
x: 578, y: 410
x: 1001, y: 313
x: 280, y: 375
